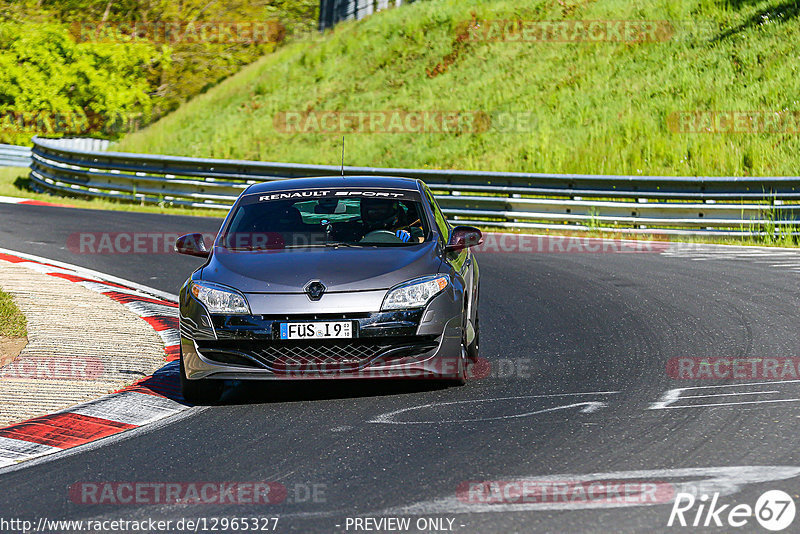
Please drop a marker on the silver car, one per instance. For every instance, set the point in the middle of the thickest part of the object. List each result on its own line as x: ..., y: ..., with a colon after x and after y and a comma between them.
x: 330, y: 278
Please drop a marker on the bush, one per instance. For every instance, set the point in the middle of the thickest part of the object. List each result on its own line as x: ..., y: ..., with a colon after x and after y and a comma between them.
x: 51, y: 85
x: 54, y: 82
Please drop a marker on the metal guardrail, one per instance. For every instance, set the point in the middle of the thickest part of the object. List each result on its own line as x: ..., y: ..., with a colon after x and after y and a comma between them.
x: 14, y: 156
x: 645, y: 204
x: 82, y: 143
x: 20, y: 156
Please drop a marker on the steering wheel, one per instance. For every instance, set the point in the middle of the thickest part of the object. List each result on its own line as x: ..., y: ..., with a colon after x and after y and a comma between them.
x: 381, y: 236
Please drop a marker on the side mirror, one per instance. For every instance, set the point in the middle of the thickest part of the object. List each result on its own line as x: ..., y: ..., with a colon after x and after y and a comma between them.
x: 192, y: 245
x: 462, y: 237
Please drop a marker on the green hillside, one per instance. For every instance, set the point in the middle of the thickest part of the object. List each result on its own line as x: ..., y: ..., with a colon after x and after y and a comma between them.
x: 592, y: 107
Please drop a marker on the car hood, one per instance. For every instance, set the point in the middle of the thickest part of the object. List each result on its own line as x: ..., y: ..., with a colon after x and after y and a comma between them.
x: 339, y: 269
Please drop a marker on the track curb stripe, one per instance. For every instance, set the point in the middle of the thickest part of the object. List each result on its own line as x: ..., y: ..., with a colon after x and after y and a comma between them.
x: 146, y: 401
x: 64, y: 430
x: 32, y: 202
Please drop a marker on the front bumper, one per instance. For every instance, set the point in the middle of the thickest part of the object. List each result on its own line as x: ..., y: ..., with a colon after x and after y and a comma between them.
x: 421, y: 343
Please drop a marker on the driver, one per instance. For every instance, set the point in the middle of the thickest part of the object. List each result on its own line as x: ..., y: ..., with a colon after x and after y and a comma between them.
x: 385, y: 214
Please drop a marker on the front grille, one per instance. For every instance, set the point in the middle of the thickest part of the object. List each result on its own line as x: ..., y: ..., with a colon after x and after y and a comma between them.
x: 313, y: 356
x: 345, y: 355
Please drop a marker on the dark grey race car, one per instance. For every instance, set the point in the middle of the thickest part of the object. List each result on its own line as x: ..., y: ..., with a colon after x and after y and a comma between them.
x: 320, y: 278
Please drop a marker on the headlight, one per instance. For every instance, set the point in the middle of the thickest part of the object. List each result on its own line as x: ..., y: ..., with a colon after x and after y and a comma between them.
x: 219, y: 299
x: 415, y: 293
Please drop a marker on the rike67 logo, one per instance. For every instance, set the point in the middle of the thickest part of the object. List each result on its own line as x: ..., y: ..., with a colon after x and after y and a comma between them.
x: 774, y: 510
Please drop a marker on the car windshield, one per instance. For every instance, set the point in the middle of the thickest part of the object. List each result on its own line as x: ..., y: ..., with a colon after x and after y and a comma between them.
x: 320, y: 218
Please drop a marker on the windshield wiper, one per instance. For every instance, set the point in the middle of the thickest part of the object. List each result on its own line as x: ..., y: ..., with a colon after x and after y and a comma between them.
x: 336, y: 244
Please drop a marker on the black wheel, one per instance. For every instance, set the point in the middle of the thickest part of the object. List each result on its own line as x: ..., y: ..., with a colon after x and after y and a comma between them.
x: 462, y: 369
x: 203, y: 391
x: 472, y: 348
x: 461, y: 378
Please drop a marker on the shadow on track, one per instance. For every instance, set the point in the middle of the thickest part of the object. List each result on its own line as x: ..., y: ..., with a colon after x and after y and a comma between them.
x: 268, y: 392
x: 165, y: 383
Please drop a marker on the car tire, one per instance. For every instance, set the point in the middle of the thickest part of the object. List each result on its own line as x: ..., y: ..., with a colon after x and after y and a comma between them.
x: 461, y: 378
x: 473, y: 348
x: 203, y: 391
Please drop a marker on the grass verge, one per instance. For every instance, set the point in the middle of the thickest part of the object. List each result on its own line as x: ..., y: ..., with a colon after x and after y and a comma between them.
x: 12, y: 322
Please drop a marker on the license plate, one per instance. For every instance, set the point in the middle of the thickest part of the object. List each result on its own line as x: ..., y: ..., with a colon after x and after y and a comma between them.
x: 317, y: 330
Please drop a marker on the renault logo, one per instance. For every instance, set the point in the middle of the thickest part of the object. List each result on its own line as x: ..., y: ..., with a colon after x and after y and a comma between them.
x: 314, y: 289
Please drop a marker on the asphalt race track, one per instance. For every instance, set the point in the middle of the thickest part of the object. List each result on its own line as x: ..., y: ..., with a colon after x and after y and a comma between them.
x: 579, y: 390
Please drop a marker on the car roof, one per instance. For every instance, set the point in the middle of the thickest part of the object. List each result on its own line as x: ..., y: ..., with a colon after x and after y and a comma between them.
x: 291, y: 184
